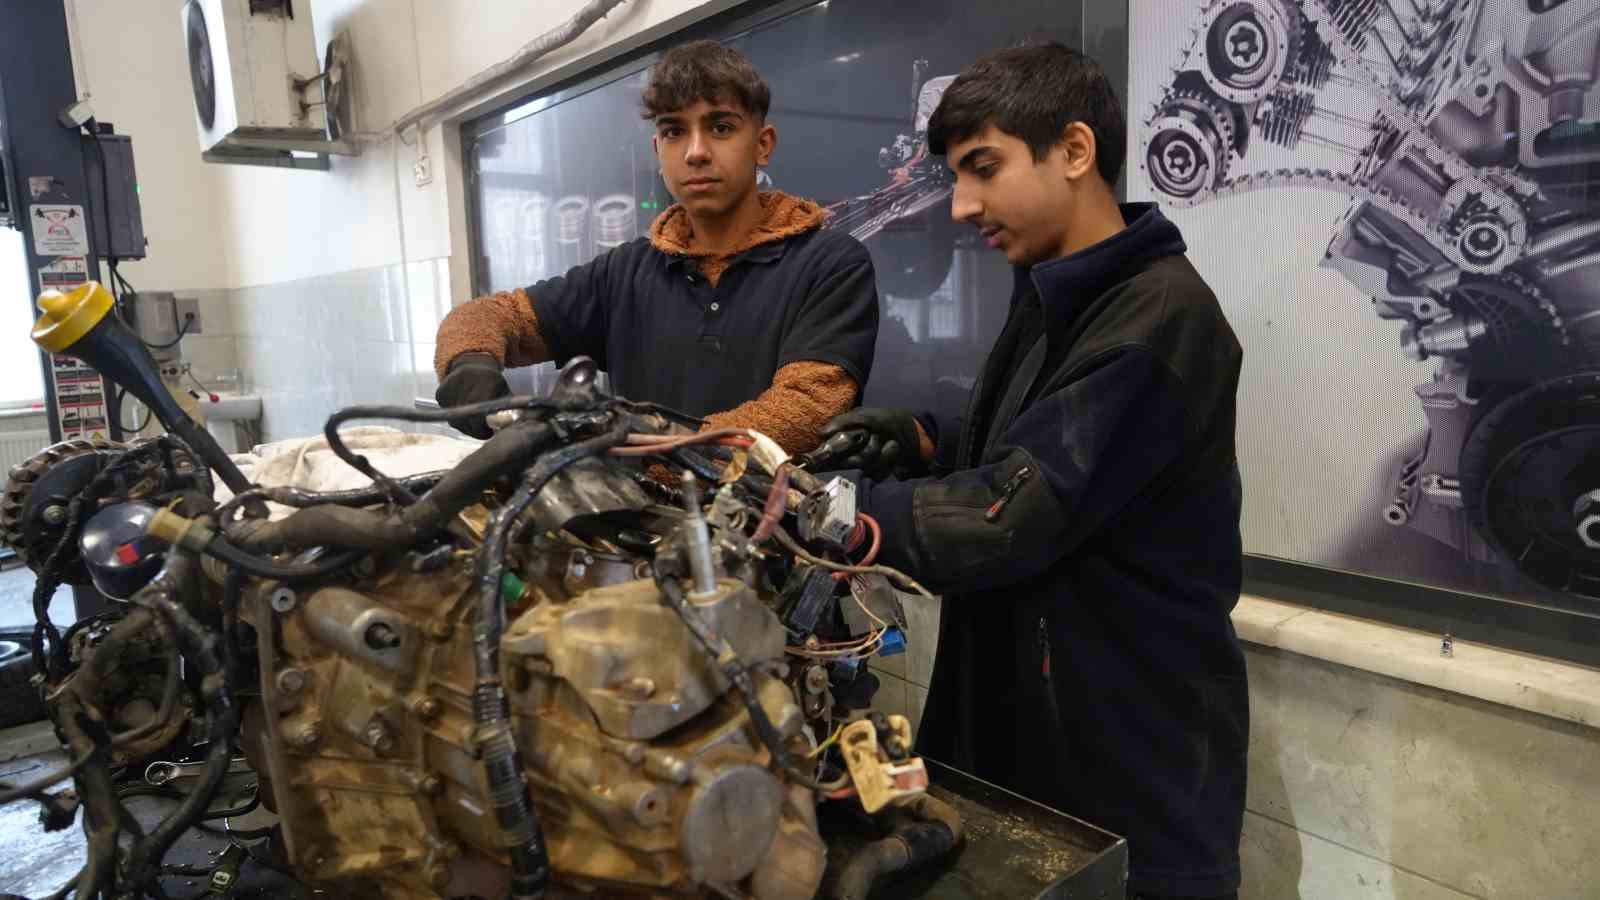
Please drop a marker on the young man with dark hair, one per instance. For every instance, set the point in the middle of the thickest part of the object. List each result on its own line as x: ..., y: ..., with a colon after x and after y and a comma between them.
x: 1083, y: 523
x: 737, y: 308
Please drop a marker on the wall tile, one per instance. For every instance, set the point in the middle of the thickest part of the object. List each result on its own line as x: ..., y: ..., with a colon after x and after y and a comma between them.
x: 208, y: 355
x: 216, y: 312
x: 428, y: 302
x: 916, y: 702
x: 922, y: 638
x: 370, y: 299
x: 397, y: 302
x: 265, y: 311
x: 422, y: 364
x: 1281, y: 863
x: 892, y: 697
x: 894, y: 665
x: 30, y: 422
x: 1491, y: 801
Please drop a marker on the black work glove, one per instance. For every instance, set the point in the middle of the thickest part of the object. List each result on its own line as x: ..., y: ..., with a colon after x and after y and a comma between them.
x: 887, y: 442
x: 471, y: 378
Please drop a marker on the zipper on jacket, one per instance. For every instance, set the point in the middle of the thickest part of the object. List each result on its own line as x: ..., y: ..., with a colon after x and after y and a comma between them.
x: 1007, y: 491
x: 1044, y: 650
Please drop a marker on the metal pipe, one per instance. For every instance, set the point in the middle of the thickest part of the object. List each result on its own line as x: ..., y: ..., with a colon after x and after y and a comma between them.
x: 544, y: 44
x: 698, y: 538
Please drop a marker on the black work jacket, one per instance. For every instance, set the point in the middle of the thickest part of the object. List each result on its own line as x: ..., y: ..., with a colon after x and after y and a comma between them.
x: 666, y: 334
x: 1086, y: 540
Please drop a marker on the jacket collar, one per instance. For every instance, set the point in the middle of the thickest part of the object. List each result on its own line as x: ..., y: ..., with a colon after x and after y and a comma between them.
x: 786, y: 216
x: 1068, y: 284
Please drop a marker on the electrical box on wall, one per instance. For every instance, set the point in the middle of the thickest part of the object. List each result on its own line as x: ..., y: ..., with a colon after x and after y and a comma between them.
x: 163, y: 319
x: 259, y: 94
x: 118, y: 219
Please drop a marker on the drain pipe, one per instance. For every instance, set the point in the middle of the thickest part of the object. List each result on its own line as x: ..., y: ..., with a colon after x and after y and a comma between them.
x: 546, y: 43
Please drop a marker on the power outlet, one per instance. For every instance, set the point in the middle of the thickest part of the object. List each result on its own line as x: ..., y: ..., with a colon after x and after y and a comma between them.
x: 422, y: 170
x: 188, y: 310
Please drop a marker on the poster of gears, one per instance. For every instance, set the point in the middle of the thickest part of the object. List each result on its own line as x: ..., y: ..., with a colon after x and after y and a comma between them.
x: 1398, y: 204
x: 562, y: 178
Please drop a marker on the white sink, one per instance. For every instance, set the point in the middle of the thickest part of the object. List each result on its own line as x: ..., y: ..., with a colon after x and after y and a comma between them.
x: 224, y: 418
x: 231, y: 407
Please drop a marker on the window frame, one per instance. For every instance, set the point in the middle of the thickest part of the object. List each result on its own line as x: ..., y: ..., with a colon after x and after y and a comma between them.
x: 1570, y: 634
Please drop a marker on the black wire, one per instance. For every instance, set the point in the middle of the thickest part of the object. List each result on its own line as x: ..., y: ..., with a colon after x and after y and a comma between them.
x: 728, y: 662
x: 122, y: 394
x: 669, y: 412
x: 232, y: 593
x: 188, y: 320
x: 18, y: 792
x: 395, y: 489
x: 92, y: 128
x: 262, y: 567
x: 56, y: 563
x: 166, y: 793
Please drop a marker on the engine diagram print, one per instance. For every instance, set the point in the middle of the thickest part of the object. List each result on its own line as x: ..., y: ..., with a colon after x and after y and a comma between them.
x: 1466, y: 135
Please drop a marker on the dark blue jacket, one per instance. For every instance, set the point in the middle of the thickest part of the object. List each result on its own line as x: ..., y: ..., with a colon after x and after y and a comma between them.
x: 1086, y: 540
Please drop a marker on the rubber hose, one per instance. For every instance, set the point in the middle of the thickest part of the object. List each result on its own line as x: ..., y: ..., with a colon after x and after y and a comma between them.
x: 336, y: 525
x: 222, y: 720
x: 222, y: 549
x: 934, y: 830
x: 508, y: 793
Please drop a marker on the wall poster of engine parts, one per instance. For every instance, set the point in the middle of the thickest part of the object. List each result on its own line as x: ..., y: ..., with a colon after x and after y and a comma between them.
x: 1398, y: 204
x: 562, y: 178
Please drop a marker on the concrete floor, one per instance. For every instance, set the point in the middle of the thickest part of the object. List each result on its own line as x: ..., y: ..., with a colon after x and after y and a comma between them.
x: 16, y: 600
x: 34, y: 863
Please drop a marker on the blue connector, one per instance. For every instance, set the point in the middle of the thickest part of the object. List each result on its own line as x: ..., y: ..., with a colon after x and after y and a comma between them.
x: 893, y: 642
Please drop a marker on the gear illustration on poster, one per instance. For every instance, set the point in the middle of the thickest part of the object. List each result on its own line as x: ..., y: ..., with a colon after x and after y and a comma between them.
x: 1468, y: 141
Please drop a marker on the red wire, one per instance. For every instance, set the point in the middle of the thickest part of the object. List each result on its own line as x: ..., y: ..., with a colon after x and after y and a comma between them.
x: 777, y: 499
x: 654, y: 448
x: 872, y: 551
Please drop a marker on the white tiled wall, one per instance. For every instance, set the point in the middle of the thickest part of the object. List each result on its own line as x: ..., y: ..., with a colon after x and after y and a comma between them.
x: 904, y: 678
x: 311, y: 346
x: 214, y: 349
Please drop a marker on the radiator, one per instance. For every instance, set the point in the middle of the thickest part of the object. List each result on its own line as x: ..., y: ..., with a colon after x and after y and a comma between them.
x: 18, y: 446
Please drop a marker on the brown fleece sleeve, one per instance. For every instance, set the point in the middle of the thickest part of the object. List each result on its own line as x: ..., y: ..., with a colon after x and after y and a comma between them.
x: 801, y: 400
x: 501, y: 324
x: 924, y: 444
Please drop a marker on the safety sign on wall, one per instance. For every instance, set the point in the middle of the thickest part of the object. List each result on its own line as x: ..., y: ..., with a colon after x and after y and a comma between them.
x: 80, y: 394
x: 64, y: 274
x: 59, y: 229
x: 80, y: 400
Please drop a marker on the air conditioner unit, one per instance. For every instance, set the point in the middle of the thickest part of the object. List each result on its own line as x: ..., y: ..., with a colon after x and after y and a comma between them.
x: 259, y: 95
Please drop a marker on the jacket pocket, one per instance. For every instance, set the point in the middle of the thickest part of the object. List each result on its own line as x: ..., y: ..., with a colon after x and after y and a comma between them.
x: 977, y: 526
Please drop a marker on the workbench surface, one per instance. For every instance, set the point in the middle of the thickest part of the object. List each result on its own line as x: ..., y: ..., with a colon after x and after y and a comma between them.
x: 1013, y: 848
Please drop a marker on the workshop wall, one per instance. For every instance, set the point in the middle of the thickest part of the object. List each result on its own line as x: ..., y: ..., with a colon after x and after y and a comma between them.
x: 132, y: 63
x: 144, y: 94
x: 339, y: 279
x: 1364, y: 786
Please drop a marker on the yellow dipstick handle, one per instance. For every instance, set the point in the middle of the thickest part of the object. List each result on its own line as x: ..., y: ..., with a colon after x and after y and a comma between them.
x: 69, y: 315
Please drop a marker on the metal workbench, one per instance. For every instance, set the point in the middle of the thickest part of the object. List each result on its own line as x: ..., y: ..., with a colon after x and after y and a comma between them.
x: 1013, y: 848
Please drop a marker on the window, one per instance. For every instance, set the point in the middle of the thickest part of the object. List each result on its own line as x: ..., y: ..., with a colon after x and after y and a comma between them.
x: 563, y: 177
x: 21, y: 379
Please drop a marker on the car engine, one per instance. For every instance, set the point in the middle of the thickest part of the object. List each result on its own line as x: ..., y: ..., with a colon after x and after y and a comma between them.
x: 604, y: 651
